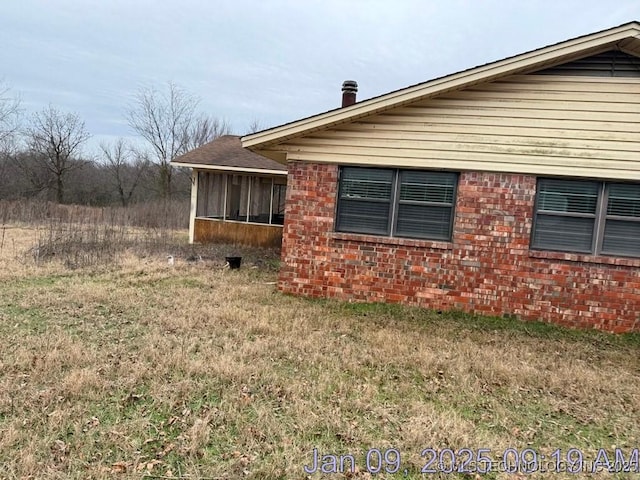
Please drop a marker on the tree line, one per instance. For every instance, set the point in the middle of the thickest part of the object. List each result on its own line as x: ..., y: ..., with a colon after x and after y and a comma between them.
x: 41, y: 156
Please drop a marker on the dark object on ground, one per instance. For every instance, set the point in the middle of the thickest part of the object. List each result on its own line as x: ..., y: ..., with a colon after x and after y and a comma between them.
x: 234, y: 262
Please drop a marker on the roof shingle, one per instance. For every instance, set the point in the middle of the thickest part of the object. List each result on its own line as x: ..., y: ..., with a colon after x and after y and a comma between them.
x: 227, y: 151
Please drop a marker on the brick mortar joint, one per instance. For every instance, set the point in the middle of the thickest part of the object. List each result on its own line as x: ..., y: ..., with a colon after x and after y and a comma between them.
x: 585, y: 258
x: 408, y: 242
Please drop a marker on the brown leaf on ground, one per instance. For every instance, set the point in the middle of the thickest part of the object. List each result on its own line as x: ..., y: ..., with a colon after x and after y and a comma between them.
x: 119, y: 467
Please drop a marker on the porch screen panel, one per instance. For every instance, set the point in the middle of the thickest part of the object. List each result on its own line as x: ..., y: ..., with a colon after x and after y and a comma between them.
x: 234, y: 195
x: 622, y: 222
x: 260, y: 200
x: 245, y: 187
x: 278, y: 203
x: 425, y: 204
x: 210, y: 195
x: 364, y: 202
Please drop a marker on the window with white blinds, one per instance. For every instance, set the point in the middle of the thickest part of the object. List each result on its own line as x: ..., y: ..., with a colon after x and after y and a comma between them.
x: 587, y: 217
x: 398, y: 203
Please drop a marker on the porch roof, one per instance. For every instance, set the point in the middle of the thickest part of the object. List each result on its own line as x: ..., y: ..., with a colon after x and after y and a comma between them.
x: 226, y: 153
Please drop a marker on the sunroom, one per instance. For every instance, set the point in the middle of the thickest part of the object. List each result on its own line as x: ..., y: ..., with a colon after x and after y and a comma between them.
x: 237, y: 197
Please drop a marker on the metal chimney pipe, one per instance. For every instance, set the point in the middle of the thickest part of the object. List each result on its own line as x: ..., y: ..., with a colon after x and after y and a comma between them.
x: 349, y: 90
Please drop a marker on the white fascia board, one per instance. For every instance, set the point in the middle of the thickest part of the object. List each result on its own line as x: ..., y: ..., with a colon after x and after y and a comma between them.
x: 221, y: 168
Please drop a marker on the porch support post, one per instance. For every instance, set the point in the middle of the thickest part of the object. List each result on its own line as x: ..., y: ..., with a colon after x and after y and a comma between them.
x: 194, y: 204
x: 249, y: 183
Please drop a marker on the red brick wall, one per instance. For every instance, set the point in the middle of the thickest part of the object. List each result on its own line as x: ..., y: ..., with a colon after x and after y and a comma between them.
x: 487, y: 268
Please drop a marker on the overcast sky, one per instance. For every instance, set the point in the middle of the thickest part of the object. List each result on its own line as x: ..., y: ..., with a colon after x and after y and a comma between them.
x: 273, y: 61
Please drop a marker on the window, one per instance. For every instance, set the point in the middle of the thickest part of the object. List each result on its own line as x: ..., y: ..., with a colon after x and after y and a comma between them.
x: 587, y: 217
x: 397, y: 203
x: 242, y: 198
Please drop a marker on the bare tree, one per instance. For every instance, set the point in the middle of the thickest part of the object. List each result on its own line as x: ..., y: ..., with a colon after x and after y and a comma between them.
x: 34, y: 172
x: 255, y: 126
x: 9, y: 117
x: 206, y: 129
x: 126, y: 167
x: 168, y: 121
x: 55, y: 139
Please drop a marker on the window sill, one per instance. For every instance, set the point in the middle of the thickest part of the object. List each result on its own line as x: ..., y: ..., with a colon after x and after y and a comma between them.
x: 404, y: 242
x: 586, y: 258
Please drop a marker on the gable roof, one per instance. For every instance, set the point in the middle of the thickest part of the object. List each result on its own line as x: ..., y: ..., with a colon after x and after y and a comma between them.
x: 226, y: 153
x: 625, y: 38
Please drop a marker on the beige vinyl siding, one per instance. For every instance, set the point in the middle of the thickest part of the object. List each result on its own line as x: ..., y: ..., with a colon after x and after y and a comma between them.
x: 625, y: 37
x: 538, y: 124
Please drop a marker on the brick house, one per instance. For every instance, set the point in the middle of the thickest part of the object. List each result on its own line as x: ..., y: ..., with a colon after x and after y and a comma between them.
x: 512, y: 188
x: 237, y: 196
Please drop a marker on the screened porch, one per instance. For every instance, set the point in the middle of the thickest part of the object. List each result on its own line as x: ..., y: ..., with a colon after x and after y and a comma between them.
x: 241, y: 198
x: 238, y: 208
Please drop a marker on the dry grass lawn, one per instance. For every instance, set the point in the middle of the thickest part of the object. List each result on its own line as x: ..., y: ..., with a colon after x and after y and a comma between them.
x: 134, y: 369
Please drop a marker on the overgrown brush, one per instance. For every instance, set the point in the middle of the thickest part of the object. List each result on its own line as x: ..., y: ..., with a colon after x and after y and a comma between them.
x: 80, y: 236
x: 80, y: 246
x: 162, y: 214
